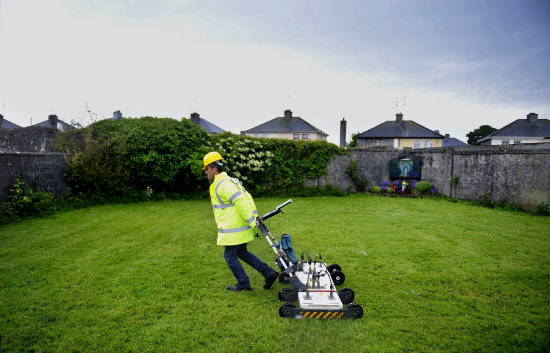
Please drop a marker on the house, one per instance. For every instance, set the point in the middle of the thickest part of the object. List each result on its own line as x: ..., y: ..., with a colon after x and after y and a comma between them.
x: 205, y: 125
x: 5, y: 124
x: 400, y: 133
x: 530, y: 130
x: 55, y: 123
x: 287, y: 127
x: 449, y: 141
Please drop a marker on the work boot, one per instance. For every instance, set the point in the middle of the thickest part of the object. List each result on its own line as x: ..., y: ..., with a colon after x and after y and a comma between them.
x: 269, y: 280
x: 237, y: 288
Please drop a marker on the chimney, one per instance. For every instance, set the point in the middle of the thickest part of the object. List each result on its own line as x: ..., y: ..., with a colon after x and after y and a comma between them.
x: 53, y: 120
x: 399, y: 117
x: 532, y: 118
x: 436, y: 131
x: 343, y: 124
x: 288, y: 113
x: 195, y: 118
x: 447, y: 136
x: 1, y: 119
x: 117, y: 115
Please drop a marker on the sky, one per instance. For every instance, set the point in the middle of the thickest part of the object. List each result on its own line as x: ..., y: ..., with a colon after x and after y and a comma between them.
x: 448, y: 65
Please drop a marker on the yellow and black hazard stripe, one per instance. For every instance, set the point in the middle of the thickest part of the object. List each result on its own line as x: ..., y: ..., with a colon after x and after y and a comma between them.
x: 353, y: 311
x: 322, y: 314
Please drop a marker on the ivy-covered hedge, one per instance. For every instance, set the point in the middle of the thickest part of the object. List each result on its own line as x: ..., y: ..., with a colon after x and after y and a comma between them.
x: 271, y: 166
x: 160, y: 155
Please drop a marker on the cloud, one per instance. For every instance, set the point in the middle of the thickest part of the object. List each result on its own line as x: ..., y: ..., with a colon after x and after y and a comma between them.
x: 237, y: 62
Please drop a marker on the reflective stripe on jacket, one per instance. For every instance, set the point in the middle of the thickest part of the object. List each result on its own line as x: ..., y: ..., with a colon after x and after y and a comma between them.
x: 234, y: 210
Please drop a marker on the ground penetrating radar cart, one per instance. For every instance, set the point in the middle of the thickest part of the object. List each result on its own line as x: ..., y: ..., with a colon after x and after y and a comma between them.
x: 313, y: 283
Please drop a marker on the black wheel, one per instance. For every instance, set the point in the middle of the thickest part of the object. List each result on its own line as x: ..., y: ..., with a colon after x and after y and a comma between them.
x: 285, y: 294
x: 346, y: 295
x: 358, y: 310
x: 338, y: 277
x: 283, y: 277
x: 334, y: 267
x: 283, y: 307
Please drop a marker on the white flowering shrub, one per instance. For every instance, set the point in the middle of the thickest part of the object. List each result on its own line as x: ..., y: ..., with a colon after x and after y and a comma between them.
x: 245, y: 158
x: 271, y: 166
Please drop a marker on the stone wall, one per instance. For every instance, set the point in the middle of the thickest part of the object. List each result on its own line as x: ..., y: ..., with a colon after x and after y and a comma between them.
x: 517, y: 174
x: 28, y: 139
x: 47, y: 168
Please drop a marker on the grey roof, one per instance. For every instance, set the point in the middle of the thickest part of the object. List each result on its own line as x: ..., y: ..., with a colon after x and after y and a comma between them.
x: 209, y: 127
x: 523, y: 128
x: 205, y: 124
x: 453, y: 142
x: 286, y: 124
x: 48, y: 123
x: 8, y: 125
x: 399, y: 129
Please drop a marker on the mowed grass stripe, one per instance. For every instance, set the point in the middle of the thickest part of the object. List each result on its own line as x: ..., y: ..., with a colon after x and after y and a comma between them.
x: 430, y: 275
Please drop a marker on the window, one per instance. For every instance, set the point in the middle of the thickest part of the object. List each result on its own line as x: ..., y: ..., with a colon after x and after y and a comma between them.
x: 416, y: 143
x: 505, y: 142
x: 428, y: 144
x: 296, y: 136
x: 305, y: 136
x: 517, y: 142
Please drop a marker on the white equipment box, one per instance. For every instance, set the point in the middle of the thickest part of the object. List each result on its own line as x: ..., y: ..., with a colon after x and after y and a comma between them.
x: 322, y: 291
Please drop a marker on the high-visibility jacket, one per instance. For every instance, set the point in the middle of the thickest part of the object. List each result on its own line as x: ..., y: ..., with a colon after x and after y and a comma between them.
x: 234, y: 210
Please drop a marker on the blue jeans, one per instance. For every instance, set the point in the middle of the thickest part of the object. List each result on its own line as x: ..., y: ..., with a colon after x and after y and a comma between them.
x: 234, y: 252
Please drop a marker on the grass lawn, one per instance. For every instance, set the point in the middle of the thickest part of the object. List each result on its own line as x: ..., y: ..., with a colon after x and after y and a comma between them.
x: 430, y: 275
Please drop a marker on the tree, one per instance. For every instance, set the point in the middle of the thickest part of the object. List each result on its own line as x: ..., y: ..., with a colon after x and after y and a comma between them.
x: 353, y: 142
x: 479, y: 133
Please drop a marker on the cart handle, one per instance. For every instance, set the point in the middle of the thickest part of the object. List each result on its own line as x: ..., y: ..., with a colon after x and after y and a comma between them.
x: 276, y: 211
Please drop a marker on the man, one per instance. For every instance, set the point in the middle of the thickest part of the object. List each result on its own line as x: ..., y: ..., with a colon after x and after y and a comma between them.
x: 235, y: 214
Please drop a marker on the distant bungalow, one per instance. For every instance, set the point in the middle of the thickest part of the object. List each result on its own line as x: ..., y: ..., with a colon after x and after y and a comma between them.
x: 57, y: 124
x: 530, y: 130
x: 400, y: 133
x: 287, y: 127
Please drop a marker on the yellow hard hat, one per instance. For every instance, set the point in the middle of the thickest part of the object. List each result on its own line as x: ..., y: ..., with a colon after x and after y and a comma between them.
x: 211, y: 157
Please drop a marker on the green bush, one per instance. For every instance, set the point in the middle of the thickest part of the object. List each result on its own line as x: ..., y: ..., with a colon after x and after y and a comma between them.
x: 423, y: 187
x: 542, y: 210
x: 99, y: 169
x: 161, y: 153
x: 375, y: 189
x: 126, y: 157
x: 24, y: 202
x: 350, y: 170
x: 485, y: 200
x: 454, y: 179
x: 508, y: 206
x: 360, y: 181
x: 122, y: 158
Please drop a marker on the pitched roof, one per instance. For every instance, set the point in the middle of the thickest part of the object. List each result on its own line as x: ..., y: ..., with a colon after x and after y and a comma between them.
x: 205, y: 124
x: 55, y: 123
x: 286, y: 124
x: 530, y: 127
x: 5, y: 124
x: 399, y: 129
x: 453, y: 142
